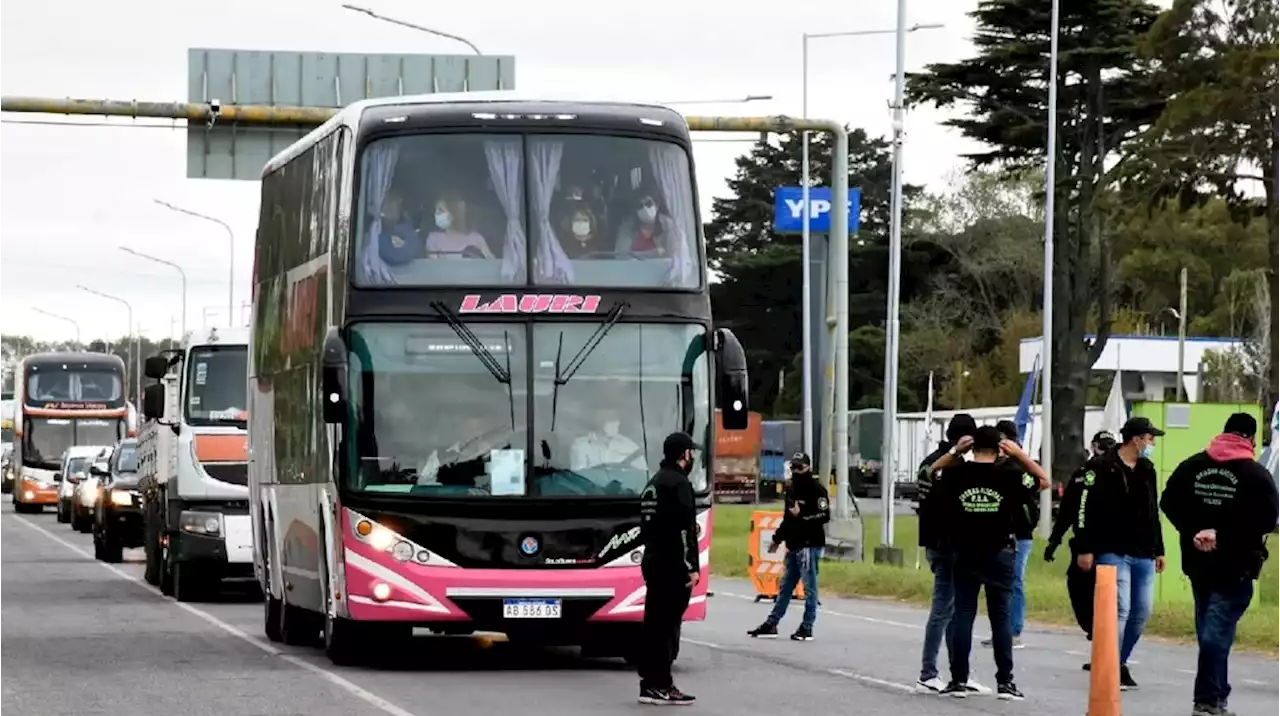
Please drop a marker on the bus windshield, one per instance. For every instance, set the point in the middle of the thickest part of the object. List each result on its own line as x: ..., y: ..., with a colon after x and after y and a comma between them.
x: 44, y: 440
x: 431, y: 420
x: 52, y: 383
x: 217, y: 385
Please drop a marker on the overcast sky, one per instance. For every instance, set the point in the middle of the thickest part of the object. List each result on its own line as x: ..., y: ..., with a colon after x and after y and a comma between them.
x: 72, y: 195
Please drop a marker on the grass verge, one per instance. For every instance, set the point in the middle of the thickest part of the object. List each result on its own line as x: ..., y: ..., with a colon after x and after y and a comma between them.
x: 1172, y: 616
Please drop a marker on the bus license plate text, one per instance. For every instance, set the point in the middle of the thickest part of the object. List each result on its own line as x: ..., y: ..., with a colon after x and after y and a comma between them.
x: 531, y: 608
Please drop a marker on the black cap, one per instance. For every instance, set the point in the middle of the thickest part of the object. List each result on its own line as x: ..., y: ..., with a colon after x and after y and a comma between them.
x: 1103, y: 437
x: 801, y: 459
x: 1009, y: 429
x: 675, y: 445
x: 1242, y: 424
x: 961, y: 425
x: 1134, y: 427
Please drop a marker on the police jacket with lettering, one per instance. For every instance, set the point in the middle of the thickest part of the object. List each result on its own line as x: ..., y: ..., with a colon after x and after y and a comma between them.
x: 668, y: 526
x: 1118, y: 513
x: 1223, y: 489
x: 805, y: 529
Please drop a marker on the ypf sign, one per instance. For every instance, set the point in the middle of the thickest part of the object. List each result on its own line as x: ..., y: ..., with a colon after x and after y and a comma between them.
x: 788, y: 209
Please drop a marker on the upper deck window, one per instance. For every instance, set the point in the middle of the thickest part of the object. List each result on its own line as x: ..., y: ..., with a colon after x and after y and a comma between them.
x: 477, y: 210
x: 56, y: 383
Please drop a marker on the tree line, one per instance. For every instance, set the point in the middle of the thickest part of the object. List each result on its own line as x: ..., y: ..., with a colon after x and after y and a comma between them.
x: 1165, y: 159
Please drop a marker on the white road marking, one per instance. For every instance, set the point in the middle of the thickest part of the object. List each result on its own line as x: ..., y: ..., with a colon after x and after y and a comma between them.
x: 842, y: 673
x: 832, y: 612
x: 364, y: 695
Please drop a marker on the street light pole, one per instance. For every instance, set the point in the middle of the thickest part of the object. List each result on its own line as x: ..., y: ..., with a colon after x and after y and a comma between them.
x: 231, y: 256
x: 137, y: 347
x: 72, y: 321
x: 1046, y: 345
x: 181, y: 273
x: 419, y: 28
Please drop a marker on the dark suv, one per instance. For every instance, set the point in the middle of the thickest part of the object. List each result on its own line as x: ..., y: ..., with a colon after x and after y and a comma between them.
x: 117, y: 522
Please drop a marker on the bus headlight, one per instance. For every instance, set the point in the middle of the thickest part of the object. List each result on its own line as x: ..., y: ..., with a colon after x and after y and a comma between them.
x: 123, y: 498
x: 201, y: 523
x: 28, y: 495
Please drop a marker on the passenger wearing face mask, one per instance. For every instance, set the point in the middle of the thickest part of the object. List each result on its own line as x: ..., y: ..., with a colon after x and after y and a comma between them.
x: 671, y: 568
x: 453, y: 237
x: 1118, y: 524
x: 606, y: 445
x: 580, y: 237
x: 647, y: 232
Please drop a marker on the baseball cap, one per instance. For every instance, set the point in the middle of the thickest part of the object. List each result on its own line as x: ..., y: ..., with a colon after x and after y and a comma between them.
x: 1242, y: 424
x: 675, y: 445
x: 801, y: 458
x: 1136, y: 426
x: 1103, y: 437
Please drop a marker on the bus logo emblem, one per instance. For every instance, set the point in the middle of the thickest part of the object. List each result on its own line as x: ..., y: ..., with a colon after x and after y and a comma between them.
x: 529, y: 545
x: 531, y: 303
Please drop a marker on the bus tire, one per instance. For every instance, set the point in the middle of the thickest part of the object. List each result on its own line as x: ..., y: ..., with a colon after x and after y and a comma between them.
x: 271, y: 617
x: 187, y: 587
x: 298, y: 626
x: 23, y: 508
x: 344, y: 641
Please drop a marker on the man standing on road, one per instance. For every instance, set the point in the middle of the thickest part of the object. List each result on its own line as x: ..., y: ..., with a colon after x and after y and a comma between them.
x: 1118, y: 524
x: 1024, y: 536
x: 959, y: 434
x: 1223, y: 504
x: 669, y: 532
x: 807, y: 510
x: 980, y: 506
x: 1079, y: 582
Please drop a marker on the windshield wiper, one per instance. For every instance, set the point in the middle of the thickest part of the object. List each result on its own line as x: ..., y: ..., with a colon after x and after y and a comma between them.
x: 486, y: 358
x: 575, y: 363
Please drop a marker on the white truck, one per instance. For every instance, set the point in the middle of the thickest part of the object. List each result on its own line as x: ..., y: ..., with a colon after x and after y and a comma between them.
x: 193, y: 465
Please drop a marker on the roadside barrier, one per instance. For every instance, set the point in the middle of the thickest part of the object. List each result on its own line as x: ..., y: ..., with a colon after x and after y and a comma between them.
x: 766, y: 569
x: 1104, y: 670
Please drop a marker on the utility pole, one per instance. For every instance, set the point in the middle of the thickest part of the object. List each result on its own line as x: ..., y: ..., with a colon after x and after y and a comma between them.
x: 1182, y: 332
x: 1046, y: 346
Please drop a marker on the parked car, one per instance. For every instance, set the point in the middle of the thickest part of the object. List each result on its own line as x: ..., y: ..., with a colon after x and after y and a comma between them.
x: 84, y: 498
x: 75, y: 467
x: 117, y: 521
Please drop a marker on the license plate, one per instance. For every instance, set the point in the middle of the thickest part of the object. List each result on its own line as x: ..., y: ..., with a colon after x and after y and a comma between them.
x: 531, y: 608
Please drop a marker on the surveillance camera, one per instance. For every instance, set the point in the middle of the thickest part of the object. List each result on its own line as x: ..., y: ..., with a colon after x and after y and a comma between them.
x: 215, y: 106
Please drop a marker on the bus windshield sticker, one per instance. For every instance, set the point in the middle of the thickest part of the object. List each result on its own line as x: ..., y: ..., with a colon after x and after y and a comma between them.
x: 506, y: 472
x: 531, y: 303
x: 202, y: 373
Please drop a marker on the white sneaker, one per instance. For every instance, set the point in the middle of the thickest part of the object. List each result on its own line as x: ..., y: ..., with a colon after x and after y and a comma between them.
x: 977, y: 689
x: 932, y: 686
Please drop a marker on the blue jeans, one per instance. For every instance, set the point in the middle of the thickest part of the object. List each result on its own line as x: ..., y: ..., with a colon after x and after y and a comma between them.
x: 1018, y: 602
x: 940, y: 611
x: 1218, y: 610
x: 992, y: 573
x: 801, y: 564
x: 1136, y: 590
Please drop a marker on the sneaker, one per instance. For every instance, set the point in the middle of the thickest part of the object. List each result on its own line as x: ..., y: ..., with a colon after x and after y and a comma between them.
x: 1017, y: 642
x: 930, y: 686
x: 665, y: 697
x: 955, y: 690
x: 768, y: 630
x: 1008, y: 692
x: 1126, y: 679
x: 1211, y: 710
x: 976, y: 689
x: 803, y: 634
x: 1086, y: 666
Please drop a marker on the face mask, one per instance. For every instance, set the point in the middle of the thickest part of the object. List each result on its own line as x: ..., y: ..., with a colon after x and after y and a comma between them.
x: 1147, y: 450
x: 443, y: 220
x: 581, y: 228
x: 647, y: 214
x: 610, y: 428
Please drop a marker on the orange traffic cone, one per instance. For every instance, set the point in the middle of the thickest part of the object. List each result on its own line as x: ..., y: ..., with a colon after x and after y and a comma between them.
x: 1104, y: 674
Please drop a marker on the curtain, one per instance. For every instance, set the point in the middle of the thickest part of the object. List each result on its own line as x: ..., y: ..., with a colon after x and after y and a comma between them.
x: 550, y: 261
x: 379, y: 168
x: 671, y: 173
x: 504, y: 157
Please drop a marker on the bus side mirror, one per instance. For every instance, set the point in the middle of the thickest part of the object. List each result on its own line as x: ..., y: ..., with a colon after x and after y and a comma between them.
x: 333, y: 378
x: 153, y: 401
x: 156, y: 367
x: 733, y: 386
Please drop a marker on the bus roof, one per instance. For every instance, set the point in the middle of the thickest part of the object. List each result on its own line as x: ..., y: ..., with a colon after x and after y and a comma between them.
x: 498, y: 102
x: 81, y: 357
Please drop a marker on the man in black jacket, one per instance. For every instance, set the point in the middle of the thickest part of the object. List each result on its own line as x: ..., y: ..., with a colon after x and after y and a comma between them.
x: 1118, y: 524
x: 1223, y: 504
x: 669, y: 532
x: 960, y: 430
x: 808, y: 509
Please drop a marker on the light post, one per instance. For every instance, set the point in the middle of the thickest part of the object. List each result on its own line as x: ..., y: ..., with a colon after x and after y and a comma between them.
x: 231, y: 256
x: 72, y: 321
x: 1046, y: 345
x: 137, y: 347
x: 419, y: 28
x: 895, y: 258
x: 174, y: 266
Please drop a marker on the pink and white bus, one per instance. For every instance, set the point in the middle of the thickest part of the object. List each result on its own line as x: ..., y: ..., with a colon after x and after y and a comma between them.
x: 475, y: 321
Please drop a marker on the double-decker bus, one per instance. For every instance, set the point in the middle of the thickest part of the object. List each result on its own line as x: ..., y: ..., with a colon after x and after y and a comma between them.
x: 475, y: 322
x: 62, y: 400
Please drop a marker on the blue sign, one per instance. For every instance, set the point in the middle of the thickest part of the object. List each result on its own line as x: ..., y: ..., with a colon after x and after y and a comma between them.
x: 788, y: 209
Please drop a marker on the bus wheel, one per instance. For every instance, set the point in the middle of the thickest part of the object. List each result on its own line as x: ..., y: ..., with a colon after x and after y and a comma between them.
x: 271, y: 621
x: 187, y: 587
x: 344, y: 641
x: 25, y: 509
x: 298, y: 626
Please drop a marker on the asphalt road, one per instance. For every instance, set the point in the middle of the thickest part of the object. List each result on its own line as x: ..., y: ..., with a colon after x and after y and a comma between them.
x: 80, y: 637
